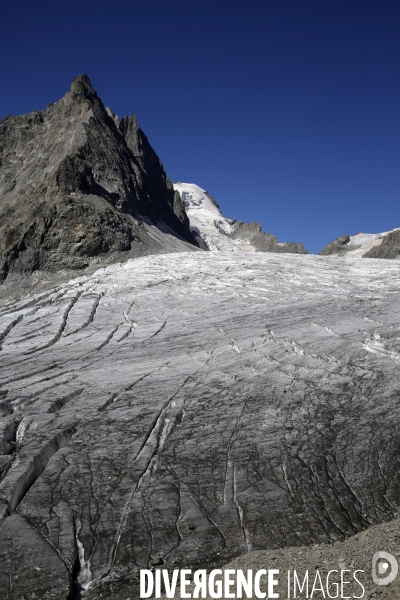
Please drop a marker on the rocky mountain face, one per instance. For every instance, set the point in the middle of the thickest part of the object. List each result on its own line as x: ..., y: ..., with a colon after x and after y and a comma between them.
x: 215, y: 232
x: 365, y: 245
x: 76, y: 183
x: 185, y: 409
x: 262, y: 241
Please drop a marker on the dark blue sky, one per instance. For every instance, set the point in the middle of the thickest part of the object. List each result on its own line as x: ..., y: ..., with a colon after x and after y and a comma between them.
x: 286, y: 111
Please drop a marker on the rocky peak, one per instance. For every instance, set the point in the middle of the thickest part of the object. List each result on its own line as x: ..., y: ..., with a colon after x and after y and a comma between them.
x: 112, y: 115
x: 78, y: 159
x: 82, y: 86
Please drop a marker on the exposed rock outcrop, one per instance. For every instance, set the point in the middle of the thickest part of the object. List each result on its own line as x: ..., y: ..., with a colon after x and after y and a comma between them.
x: 262, y: 241
x: 365, y: 245
x: 389, y: 248
x: 76, y: 183
x: 338, y: 247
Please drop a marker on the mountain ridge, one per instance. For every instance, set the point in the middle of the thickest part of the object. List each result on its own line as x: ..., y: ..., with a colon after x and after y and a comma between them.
x: 365, y: 245
x: 76, y: 183
x: 219, y: 233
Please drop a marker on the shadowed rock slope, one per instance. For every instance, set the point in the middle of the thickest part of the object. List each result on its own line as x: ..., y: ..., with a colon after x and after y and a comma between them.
x: 77, y: 183
x: 189, y: 408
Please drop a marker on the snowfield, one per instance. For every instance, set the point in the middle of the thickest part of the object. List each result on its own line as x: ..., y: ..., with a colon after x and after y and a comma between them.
x: 206, y: 218
x: 185, y: 409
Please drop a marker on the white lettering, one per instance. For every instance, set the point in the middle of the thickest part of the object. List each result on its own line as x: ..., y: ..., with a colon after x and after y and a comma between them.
x: 257, y: 578
x: 305, y: 583
x: 317, y: 589
x: 359, y: 583
x: 146, y: 575
x: 215, y: 587
x: 333, y: 584
x: 228, y: 583
x: 244, y: 584
x: 170, y: 589
x: 272, y: 582
x: 200, y: 581
x: 185, y: 582
x: 158, y: 583
x: 343, y: 582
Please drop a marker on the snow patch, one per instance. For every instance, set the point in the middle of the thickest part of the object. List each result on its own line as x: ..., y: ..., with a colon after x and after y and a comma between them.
x: 361, y: 243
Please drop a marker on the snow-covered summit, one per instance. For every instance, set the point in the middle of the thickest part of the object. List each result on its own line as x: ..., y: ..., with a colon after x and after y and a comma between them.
x: 194, y: 197
x: 367, y: 245
x: 208, y: 222
x: 219, y: 234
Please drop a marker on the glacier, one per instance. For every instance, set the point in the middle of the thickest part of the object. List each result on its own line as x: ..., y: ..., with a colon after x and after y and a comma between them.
x: 184, y: 409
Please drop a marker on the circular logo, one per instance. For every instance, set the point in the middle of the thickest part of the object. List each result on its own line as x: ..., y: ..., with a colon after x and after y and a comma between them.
x: 381, y: 574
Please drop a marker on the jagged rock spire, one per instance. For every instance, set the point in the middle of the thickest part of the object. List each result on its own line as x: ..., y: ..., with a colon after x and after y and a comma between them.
x: 70, y: 177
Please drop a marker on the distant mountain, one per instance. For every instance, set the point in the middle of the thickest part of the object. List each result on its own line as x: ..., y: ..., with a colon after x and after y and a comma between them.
x: 365, y: 245
x: 216, y: 233
x: 77, y: 183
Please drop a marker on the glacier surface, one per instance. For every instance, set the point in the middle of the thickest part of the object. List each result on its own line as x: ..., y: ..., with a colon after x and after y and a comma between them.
x: 184, y: 409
